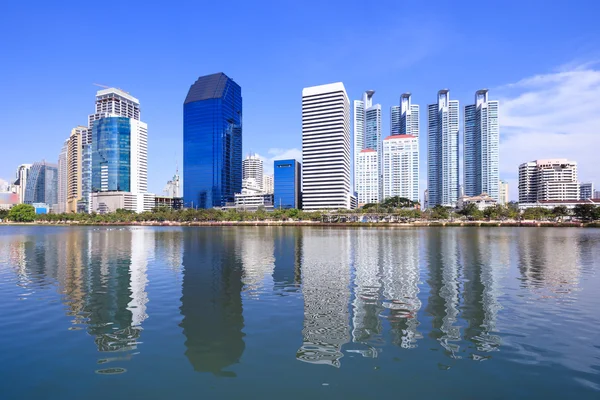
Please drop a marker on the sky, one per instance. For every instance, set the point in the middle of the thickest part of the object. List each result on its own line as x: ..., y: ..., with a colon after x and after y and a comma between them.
x: 541, y: 61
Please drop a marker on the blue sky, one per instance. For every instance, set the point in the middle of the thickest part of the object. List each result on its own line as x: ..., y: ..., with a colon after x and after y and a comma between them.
x: 540, y: 60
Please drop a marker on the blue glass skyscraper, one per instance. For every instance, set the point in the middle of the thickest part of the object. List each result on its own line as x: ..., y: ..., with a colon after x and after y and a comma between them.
x: 212, y: 142
x: 42, y: 184
x: 287, y: 184
x: 111, y: 155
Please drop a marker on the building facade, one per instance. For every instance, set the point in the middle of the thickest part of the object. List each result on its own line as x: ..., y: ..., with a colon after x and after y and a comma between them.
x: 548, y: 180
x: 326, y: 148
x: 394, y: 120
x: 367, y: 177
x: 586, y: 190
x: 442, y: 151
x: 268, y: 184
x: 287, y: 179
x: 367, y: 128
x: 401, y: 167
x: 42, y: 184
x: 20, y: 183
x: 212, y: 142
x: 252, y: 168
x: 62, y: 179
x: 75, y: 169
x: 481, y: 147
x: 503, y: 192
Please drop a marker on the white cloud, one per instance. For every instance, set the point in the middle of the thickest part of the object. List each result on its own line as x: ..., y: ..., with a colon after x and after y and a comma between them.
x: 279, y: 154
x: 551, y: 115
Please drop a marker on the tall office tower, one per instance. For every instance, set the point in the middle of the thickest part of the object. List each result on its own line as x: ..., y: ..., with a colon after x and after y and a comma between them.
x: 75, y: 169
x: 42, y: 184
x: 401, y: 167
x: 481, y: 147
x: 62, y: 178
x: 20, y: 182
x: 120, y: 165
x: 409, y: 116
x: 586, y: 190
x: 287, y: 181
x: 548, y: 180
x: 367, y: 177
x: 367, y: 131
x: 268, y: 184
x: 212, y: 142
x: 503, y: 192
x: 442, y: 151
x: 394, y: 120
x: 252, y: 169
x: 113, y: 102
x: 326, y: 148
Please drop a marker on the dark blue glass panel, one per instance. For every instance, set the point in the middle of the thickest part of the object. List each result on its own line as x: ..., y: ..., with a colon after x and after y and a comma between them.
x: 287, y: 184
x: 111, y: 155
x: 212, y: 142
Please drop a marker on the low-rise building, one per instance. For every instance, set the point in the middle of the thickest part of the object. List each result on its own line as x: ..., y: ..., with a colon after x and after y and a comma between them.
x: 172, y: 203
x: 107, y: 202
x: 551, y: 204
x: 482, y: 201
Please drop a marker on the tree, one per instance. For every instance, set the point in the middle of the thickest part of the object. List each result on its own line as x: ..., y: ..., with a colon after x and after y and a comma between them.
x: 536, y: 213
x: 22, y: 213
x: 585, y: 212
x: 439, y: 212
x: 560, y: 212
x: 398, y: 202
x: 3, y: 214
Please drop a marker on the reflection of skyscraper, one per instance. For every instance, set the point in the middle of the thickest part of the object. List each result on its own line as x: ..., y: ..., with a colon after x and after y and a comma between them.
x: 401, y: 286
x: 443, y: 282
x: 256, y: 253
x: 288, y: 257
x: 325, y: 287
x: 366, y: 305
x: 211, y: 302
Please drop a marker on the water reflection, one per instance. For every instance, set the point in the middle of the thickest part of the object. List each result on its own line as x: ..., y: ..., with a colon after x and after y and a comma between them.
x: 211, y: 301
x: 325, y: 287
x: 288, y: 258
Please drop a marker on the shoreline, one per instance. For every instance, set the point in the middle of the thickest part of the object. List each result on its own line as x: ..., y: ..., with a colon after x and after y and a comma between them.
x: 475, y: 224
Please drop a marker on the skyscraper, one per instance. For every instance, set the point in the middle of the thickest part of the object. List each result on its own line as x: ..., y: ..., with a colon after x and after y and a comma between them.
x: 503, y: 192
x: 367, y: 134
x: 287, y: 184
x: 326, y: 147
x: 268, y: 184
x: 442, y: 150
x: 550, y: 179
x: 481, y: 147
x: 367, y: 177
x: 394, y: 120
x: 75, y: 168
x: 42, y: 184
x: 212, y: 142
x: 62, y: 178
x: 401, y: 167
x: 252, y: 171
x: 409, y: 116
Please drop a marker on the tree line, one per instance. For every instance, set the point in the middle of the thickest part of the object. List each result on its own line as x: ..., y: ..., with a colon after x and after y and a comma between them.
x: 399, y: 207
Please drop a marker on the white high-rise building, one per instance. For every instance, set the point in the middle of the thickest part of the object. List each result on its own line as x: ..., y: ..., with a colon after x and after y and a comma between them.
x: 367, y: 177
x: 115, y: 102
x: 367, y: 132
x: 20, y: 182
x: 481, y: 147
x: 326, y: 148
x: 401, y: 167
x: 442, y: 151
x: 62, y: 186
x: 252, y: 168
x: 503, y: 192
x: 268, y: 184
x: 548, y: 180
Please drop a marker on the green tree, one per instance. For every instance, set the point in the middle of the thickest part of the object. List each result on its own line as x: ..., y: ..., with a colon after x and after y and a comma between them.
x: 585, y: 212
x: 536, y: 213
x: 439, y: 212
x: 22, y: 213
x: 560, y: 212
x: 3, y: 214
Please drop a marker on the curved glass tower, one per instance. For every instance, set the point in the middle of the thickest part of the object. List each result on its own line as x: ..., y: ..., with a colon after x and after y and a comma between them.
x: 212, y: 142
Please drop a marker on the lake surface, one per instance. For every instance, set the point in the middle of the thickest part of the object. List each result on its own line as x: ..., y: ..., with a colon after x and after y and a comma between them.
x: 290, y: 312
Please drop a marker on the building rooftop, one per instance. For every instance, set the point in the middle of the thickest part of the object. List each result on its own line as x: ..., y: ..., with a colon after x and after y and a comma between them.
x: 207, y: 87
x: 393, y: 137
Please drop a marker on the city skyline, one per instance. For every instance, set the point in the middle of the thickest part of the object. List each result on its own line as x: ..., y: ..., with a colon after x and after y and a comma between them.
x: 561, y: 67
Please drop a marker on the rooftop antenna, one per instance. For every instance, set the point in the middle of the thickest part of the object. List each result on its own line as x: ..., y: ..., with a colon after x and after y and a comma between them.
x: 102, y: 86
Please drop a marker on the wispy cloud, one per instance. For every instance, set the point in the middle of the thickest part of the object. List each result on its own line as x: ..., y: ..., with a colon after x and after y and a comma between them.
x: 551, y: 115
x: 279, y: 154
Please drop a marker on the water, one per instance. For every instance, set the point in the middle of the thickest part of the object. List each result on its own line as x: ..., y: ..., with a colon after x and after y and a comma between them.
x: 283, y: 312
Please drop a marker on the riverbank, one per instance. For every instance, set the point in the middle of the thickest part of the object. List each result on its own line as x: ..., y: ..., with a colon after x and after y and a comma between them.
x: 416, y: 224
